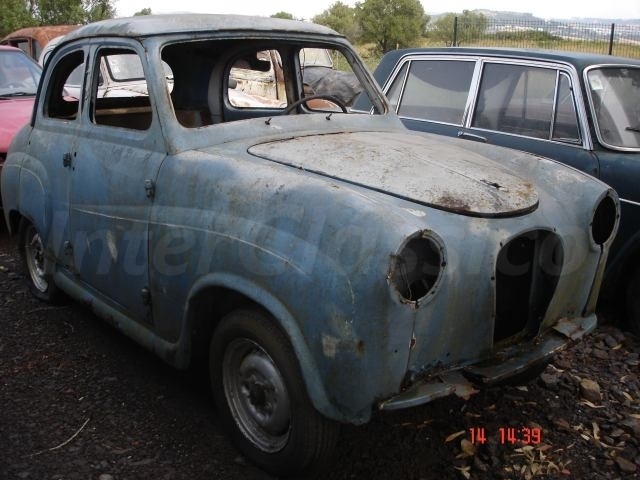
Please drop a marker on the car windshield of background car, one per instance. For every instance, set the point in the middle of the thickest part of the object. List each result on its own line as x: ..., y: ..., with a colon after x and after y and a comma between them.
x: 19, y: 76
x: 615, y: 95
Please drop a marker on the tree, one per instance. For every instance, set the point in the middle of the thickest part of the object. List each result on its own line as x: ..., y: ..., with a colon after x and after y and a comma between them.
x: 469, y: 28
x: 391, y: 23
x: 14, y: 14
x: 285, y: 15
x: 96, y: 10
x: 144, y: 11
x: 341, y: 18
x: 59, y: 12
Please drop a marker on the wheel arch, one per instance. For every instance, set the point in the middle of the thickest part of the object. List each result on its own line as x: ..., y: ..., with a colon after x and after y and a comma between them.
x: 13, y: 221
x: 214, y: 296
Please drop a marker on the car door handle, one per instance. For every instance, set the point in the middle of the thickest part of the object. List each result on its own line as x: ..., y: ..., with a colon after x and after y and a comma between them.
x: 66, y: 160
x: 471, y: 136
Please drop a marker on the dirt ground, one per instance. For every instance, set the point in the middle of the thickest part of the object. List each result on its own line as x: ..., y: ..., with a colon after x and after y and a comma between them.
x: 80, y: 401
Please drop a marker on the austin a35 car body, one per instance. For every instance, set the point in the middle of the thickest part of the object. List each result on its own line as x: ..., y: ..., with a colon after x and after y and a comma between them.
x: 324, y: 263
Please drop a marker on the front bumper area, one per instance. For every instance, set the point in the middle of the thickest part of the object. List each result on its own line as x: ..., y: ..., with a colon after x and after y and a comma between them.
x: 515, y: 360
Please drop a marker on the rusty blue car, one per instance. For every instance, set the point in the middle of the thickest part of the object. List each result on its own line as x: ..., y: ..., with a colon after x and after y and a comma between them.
x: 323, y: 263
x: 580, y: 109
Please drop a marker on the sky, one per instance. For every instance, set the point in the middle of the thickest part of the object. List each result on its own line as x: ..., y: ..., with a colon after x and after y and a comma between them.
x: 306, y: 9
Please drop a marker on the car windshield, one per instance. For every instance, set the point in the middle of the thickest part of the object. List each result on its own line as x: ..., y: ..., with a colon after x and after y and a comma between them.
x: 615, y: 95
x: 19, y: 75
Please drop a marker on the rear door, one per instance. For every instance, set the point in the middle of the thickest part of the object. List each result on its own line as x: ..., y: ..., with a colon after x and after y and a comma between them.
x: 535, y: 108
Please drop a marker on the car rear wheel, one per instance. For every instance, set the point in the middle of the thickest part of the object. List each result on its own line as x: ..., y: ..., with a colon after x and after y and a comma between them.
x: 633, y: 302
x: 262, y: 399
x: 32, y: 251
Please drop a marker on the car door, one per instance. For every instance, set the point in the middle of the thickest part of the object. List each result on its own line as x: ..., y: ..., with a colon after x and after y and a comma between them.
x: 118, y: 154
x: 614, y: 100
x: 51, y: 145
x: 431, y: 94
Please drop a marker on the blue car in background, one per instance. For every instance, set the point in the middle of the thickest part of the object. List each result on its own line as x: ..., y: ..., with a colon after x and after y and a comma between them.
x: 580, y: 109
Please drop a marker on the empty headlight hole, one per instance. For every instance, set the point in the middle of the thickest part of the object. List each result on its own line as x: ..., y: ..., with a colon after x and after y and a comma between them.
x: 416, y: 268
x: 604, y: 221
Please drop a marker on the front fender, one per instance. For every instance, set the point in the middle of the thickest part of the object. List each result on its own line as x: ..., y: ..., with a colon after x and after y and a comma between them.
x: 285, y: 321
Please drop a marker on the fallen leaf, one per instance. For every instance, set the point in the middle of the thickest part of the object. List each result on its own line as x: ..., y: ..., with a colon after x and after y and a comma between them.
x: 467, y: 447
x: 464, y: 471
x: 627, y: 396
x: 596, y: 431
x: 522, y: 388
x: 589, y: 404
x: 552, y: 466
x: 525, y: 449
x: 453, y: 436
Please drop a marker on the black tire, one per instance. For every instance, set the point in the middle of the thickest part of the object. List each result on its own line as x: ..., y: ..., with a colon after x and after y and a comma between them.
x: 633, y: 303
x: 32, y: 252
x: 262, y: 399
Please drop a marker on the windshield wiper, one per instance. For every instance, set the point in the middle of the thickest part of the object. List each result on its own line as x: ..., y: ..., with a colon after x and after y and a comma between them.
x: 17, y: 94
x: 633, y: 129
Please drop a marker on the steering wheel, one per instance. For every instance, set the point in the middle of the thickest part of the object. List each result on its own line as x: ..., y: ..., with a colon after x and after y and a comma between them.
x: 320, y: 96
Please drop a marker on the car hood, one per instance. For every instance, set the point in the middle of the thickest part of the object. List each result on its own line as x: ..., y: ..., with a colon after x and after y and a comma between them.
x: 14, y: 114
x: 412, y: 167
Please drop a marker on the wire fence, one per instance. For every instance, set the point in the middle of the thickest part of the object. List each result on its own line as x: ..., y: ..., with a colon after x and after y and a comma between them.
x: 621, y: 39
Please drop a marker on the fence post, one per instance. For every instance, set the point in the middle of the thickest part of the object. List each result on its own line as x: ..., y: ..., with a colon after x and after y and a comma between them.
x: 613, y: 30
x: 455, y: 31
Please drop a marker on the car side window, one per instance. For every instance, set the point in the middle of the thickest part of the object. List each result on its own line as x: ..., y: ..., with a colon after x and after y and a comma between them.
x: 60, y: 102
x: 526, y: 100
x: 565, y: 120
x: 125, y: 101
x: 436, y: 90
x: 395, y: 89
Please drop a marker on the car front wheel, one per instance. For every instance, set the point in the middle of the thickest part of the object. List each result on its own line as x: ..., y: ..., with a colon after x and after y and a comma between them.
x: 262, y: 399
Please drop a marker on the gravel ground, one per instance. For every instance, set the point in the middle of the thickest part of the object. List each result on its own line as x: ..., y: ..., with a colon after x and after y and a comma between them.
x: 80, y: 401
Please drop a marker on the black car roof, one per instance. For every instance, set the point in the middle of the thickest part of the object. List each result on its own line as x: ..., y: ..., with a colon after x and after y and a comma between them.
x: 580, y: 60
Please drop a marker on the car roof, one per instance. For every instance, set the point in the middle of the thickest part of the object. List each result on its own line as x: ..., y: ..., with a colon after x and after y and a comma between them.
x: 579, y: 60
x: 153, y: 25
x: 41, y: 34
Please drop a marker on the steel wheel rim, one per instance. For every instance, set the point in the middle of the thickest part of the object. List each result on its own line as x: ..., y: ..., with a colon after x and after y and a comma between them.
x: 257, y: 395
x: 34, y: 254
